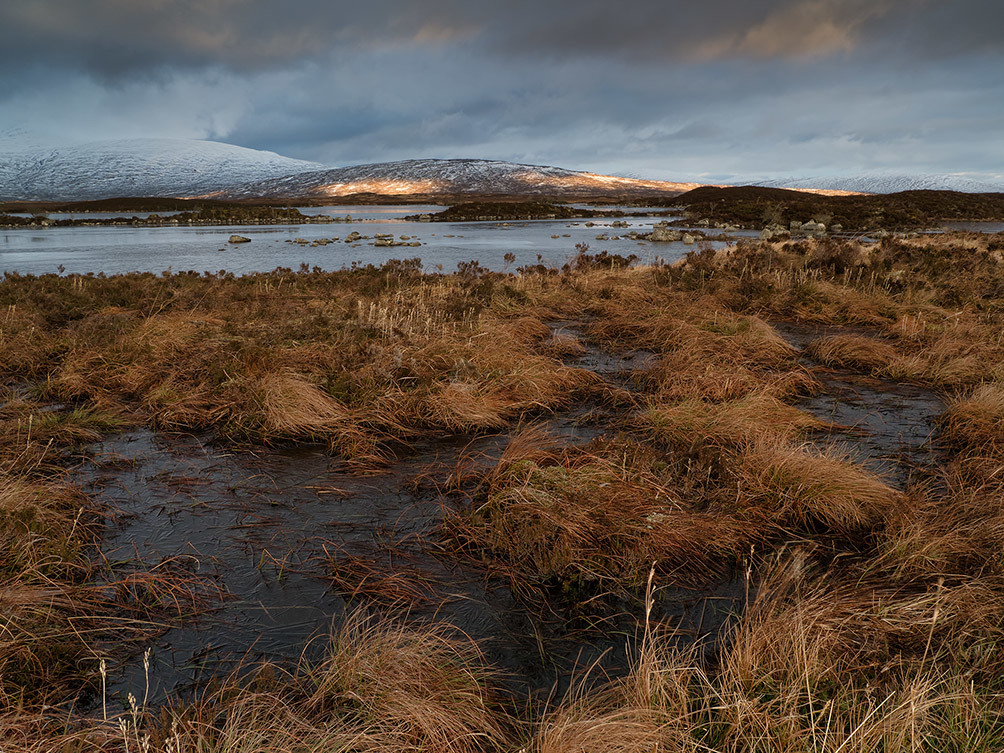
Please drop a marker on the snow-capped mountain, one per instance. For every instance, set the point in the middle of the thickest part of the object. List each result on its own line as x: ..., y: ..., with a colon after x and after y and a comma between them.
x: 133, y: 167
x: 450, y: 177
x: 892, y: 183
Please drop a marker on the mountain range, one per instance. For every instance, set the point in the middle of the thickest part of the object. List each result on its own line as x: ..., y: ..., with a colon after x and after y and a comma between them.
x: 33, y: 171
x: 455, y: 177
x: 890, y: 182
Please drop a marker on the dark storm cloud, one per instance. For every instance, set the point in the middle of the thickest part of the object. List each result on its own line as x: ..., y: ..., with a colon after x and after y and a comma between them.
x: 121, y: 37
x: 649, y: 87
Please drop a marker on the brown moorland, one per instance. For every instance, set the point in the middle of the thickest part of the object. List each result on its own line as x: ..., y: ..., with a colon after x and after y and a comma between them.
x: 874, y: 611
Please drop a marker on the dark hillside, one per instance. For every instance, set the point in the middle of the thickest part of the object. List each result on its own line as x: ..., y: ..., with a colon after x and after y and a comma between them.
x: 757, y: 207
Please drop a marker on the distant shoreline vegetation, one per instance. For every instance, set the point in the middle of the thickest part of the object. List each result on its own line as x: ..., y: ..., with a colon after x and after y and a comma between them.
x: 495, y: 211
x: 757, y: 207
x: 225, y: 215
x: 752, y: 207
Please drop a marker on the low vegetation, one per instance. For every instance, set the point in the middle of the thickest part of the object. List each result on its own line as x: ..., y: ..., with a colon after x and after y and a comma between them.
x: 498, y: 211
x: 213, y: 214
x: 870, y: 613
x: 757, y: 207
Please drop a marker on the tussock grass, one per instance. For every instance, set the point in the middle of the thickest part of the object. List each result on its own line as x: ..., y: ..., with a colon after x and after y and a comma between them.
x: 976, y: 421
x: 704, y: 352
x: 853, y: 351
x: 805, y: 487
x: 382, y: 686
x: 354, y: 359
x: 601, y: 514
x: 812, y: 665
x: 875, y: 615
x: 728, y: 423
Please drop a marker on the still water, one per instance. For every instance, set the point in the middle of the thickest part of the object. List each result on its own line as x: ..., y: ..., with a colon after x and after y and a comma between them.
x: 113, y: 250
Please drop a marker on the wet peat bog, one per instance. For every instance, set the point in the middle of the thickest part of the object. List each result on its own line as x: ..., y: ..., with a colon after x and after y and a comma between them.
x: 295, y: 542
x: 887, y: 426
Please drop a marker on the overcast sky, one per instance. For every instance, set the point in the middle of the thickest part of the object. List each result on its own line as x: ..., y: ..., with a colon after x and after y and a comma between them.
x: 707, y: 89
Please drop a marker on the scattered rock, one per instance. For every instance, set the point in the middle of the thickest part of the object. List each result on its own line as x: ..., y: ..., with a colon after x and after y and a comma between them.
x: 662, y: 234
x: 239, y: 239
x: 774, y: 231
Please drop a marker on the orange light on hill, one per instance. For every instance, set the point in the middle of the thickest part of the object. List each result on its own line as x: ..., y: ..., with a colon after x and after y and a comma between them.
x: 386, y: 186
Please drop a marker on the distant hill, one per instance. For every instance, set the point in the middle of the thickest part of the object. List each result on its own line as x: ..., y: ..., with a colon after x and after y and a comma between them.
x: 892, y: 183
x: 453, y: 178
x: 134, y: 167
x: 31, y: 170
x: 758, y: 206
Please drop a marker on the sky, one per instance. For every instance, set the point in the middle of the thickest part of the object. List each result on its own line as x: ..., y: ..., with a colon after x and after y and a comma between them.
x: 709, y: 90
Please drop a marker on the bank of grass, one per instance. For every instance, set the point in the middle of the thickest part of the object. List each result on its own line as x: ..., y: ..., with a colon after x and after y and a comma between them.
x: 357, y: 359
x: 814, y: 664
x: 600, y: 514
x: 875, y: 615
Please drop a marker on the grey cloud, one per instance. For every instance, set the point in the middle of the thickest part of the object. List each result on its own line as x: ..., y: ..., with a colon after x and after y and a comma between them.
x: 654, y: 89
x: 123, y: 37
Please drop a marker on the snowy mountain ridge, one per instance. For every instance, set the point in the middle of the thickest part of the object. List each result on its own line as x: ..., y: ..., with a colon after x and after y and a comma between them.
x: 33, y: 169
x: 450, y: 177
x: 893, y: 183
x: 132, y: 167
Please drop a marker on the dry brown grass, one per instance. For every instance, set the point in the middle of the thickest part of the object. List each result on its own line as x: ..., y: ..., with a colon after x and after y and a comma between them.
x: 750, y: 417
x: 976, y: 421
x: 382, y: 686
x: 601, y: 514
x: 884, y: 635
x: 416, y: 689
x: 853, y: 352
x: 705, y: 352
x: 804, y: 487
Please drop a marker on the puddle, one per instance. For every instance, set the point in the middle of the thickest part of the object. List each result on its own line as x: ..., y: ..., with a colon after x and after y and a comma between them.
x: 614, y: 368
x: 890, y: 424
x: 265, y: 525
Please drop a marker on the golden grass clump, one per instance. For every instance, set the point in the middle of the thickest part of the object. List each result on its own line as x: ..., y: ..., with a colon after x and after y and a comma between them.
x: 976, y: 421
x: 805, y: 487
x: 705, y: 352
x: 815, y: 663
x: 881, y: 632
x: 853, y: 351
x: 413, y: 689
x: 825, y: 664
x: 595, y: 515
x: 383, y: 686
x: 601, y: 514
x: 953, y: 528
x: 733, y: 422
